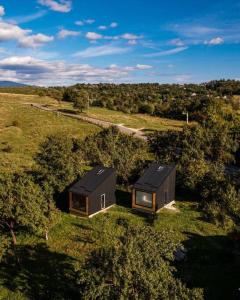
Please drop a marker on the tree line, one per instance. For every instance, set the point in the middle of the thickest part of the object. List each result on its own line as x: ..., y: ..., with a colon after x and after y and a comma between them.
x: 165, y: 100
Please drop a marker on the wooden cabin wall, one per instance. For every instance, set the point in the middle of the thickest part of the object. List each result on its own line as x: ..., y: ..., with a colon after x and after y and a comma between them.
x: 167, y: 186
x: 108, y: 188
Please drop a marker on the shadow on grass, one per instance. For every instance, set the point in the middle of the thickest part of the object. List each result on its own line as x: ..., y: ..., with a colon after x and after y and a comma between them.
x: 39, y: 273
x: 68, y: 111
x: 213, y: 263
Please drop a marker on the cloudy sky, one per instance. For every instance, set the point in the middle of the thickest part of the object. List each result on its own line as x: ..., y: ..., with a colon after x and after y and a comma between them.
x: 60, y: 42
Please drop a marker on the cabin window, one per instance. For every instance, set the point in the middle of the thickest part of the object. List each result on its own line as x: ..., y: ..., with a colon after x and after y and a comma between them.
x: 79, y: 202
x: 144, y: 199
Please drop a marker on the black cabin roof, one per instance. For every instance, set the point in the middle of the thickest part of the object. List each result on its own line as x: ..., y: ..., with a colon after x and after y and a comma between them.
x: 91, y: 180
x: 153, y: 177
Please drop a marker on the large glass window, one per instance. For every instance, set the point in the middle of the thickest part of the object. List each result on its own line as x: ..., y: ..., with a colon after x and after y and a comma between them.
x: 144, y: 199
x: 79, y: 202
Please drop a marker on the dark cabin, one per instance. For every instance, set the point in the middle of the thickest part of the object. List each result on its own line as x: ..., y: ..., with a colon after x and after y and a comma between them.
x: 93, y: 193
x: 155, y: 189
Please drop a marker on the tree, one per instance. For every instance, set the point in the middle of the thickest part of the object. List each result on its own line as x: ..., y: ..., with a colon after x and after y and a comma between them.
x: 112, y: 148
x: 81, y: 100
x: 59, y: 162
x: 138, y: 266
x: 220, y: 199
x: 22, y: 204
x: 70, y: 94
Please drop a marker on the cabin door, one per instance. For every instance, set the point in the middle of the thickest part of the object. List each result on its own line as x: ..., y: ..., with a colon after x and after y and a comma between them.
x: 103, y: 201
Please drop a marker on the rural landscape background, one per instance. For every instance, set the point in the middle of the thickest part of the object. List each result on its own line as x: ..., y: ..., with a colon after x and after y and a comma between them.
x: 86, y: 83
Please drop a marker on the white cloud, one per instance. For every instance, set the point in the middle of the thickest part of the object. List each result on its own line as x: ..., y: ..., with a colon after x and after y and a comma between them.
x: 63, y: 6
x: 63, y: 33
x: 27, y: 18
x: 192, y: 30
x: 182, y: 78
x: 84, y: 22
x: 114, y: 25
x: 89, y: 21
x: 93, y: 36
x: 101, y: 51
x: 102, y: 27
x: 79, y: 23
x: 215, y: 41
x: 132, y: 42
x: 2, y: 11
x: 35, y: 40
x: 143, y: 67
x: 35, y: 71
x: 167, y: 52
x: 24, y: 37
x: 130, y: 36
x: 177, y: 42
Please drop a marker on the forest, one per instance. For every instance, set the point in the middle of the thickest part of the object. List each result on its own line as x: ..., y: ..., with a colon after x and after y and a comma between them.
x: 207, y: 159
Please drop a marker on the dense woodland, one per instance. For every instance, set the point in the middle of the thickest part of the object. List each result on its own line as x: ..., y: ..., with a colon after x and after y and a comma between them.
x: 206, y: 155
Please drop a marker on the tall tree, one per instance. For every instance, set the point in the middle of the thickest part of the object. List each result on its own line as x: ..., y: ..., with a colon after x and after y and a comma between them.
x: 22, y: 204
x: 59, y: 162
x: 112, y: 148
x: 81, y: 101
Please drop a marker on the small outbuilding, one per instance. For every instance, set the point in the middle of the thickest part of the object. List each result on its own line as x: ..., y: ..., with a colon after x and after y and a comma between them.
x: 95, y: 192
x: 155, y: 189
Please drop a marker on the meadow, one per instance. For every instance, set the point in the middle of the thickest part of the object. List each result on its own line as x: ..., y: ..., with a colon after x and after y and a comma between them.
x: 23, y: 128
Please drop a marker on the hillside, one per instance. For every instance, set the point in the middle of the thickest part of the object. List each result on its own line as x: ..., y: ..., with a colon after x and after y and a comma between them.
x: 11, y: 84
x: 23, y: 127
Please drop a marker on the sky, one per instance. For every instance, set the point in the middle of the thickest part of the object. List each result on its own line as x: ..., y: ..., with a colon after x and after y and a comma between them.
x: 62, y: 42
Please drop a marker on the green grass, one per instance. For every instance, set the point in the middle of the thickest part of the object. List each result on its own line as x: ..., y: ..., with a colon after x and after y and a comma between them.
x: 136, y: 121
x: 23, y: 128
x: 43, y: 266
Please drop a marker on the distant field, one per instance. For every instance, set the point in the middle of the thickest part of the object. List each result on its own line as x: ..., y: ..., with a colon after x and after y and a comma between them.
x: 136, y: 120
x: 23, y: 127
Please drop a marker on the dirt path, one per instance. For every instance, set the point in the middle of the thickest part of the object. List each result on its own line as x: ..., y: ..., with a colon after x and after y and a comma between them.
x: 105, y: 124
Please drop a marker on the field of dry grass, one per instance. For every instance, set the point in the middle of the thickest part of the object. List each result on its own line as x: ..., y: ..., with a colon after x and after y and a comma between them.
x: 23, y: 127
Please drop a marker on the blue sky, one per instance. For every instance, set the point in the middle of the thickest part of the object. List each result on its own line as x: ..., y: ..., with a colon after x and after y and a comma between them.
x: 60, y: 42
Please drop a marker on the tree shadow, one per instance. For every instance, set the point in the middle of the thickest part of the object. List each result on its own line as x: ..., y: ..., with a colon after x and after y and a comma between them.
x: 39, y: 273
x: 212, y: 263
x: 68, y: 111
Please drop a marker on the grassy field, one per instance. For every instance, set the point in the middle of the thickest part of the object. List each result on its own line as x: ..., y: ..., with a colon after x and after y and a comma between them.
x: 23, y: 127
x: 48, y: 268
x: 136, y: 121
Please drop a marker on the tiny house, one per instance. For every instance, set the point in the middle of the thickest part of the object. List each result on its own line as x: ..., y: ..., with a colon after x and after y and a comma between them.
x: 94, y: 193
x: 155, y: 189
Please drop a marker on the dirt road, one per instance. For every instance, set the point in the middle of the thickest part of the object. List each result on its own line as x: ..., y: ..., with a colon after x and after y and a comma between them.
x: 105, y: 124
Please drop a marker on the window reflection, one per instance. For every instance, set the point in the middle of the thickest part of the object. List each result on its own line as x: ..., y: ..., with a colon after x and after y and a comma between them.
x: 144, y: 199
x: 79, y: 202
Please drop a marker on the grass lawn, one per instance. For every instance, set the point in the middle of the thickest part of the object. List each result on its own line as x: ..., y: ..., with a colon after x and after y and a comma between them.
x: 23, y: 127
x: 46, y: 270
